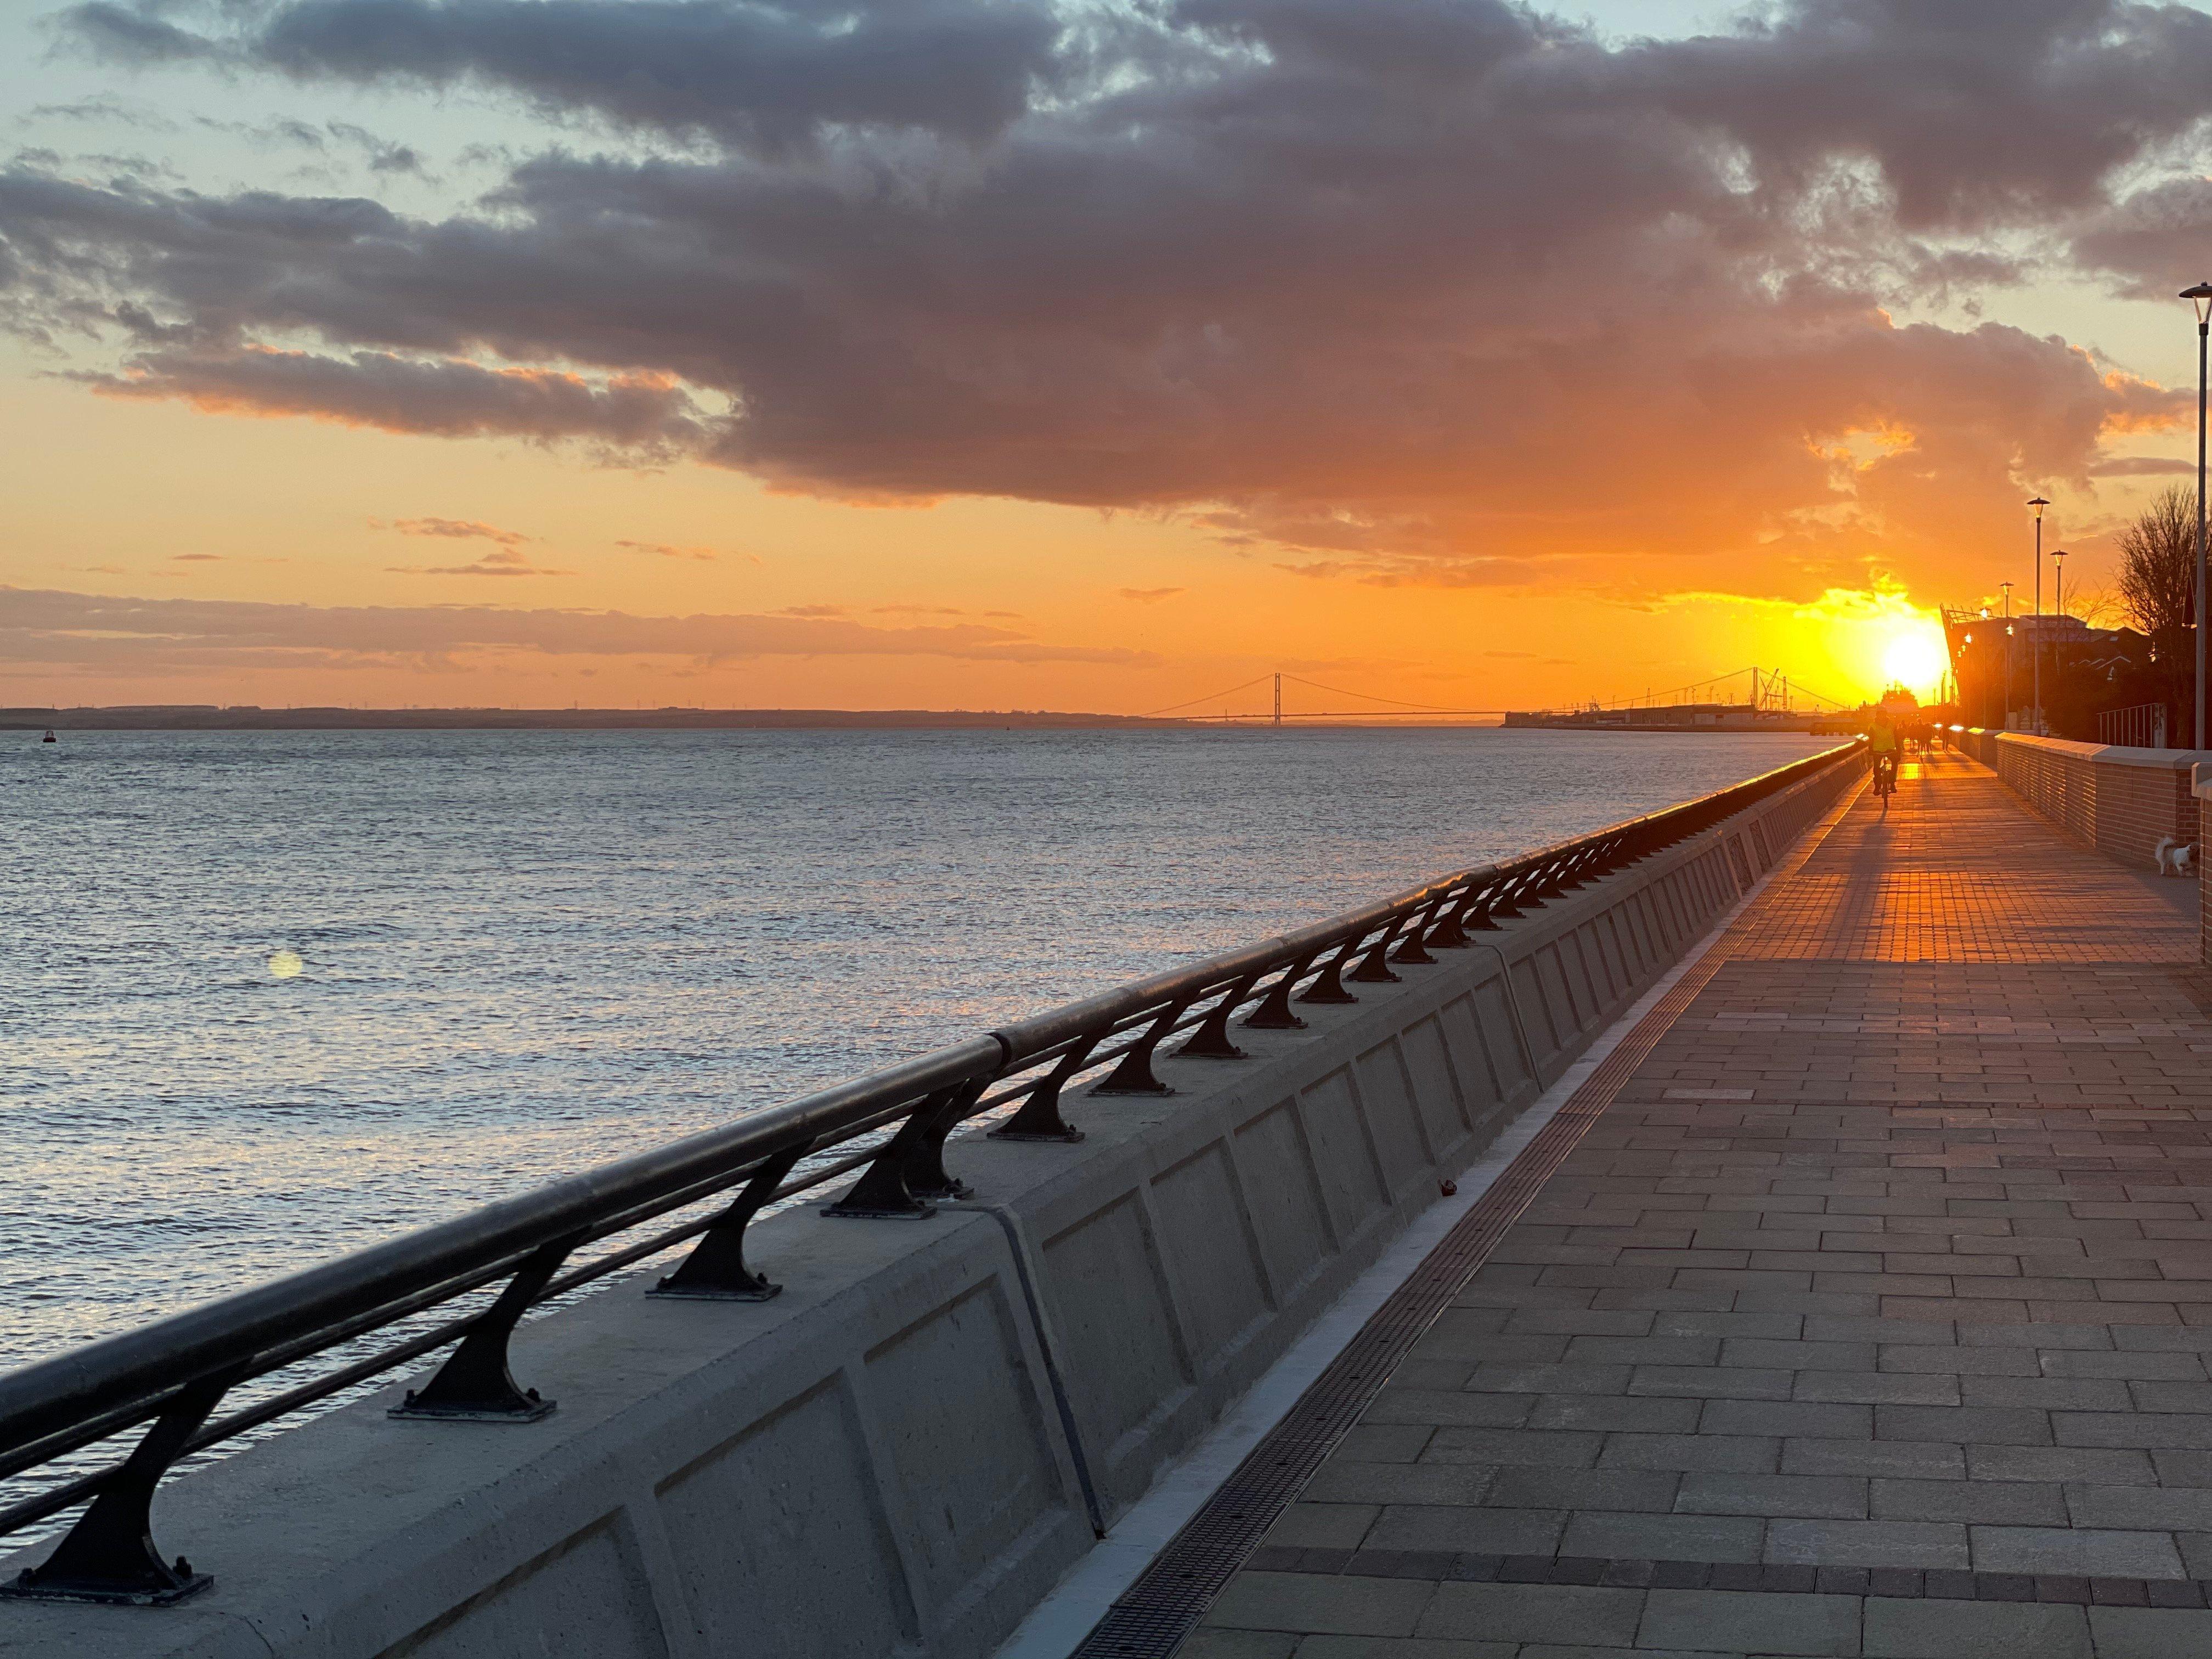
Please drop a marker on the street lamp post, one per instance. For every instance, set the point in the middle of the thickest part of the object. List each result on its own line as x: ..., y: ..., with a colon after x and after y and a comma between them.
x: 2035, y: 646
x: 2201, y: 298
x: 2008, y: 649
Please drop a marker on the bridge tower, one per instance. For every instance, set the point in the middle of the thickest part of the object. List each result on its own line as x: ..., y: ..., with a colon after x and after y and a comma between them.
x: 1278, y: 699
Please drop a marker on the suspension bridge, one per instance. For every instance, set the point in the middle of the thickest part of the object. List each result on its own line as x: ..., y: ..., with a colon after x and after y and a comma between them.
x: 1762, y: 693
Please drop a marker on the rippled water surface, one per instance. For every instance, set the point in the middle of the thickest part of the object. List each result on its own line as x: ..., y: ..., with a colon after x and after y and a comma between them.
x: 264, y: 996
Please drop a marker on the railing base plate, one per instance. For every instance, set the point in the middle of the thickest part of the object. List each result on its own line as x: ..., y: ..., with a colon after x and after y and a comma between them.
x: 667, y: 1292
x: 536, y: 1411
x: 21, y: 1589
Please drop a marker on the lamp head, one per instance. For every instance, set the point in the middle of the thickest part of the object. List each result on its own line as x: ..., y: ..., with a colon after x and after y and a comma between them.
x: 2037, y: 506
x: 2201, y: 298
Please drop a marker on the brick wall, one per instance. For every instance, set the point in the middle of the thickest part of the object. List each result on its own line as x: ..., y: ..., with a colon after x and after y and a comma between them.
x: 2204, y: 842
x: 2121, y: 801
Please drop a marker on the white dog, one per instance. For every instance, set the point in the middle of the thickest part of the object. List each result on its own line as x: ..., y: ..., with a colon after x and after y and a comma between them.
x: 2174, y: 856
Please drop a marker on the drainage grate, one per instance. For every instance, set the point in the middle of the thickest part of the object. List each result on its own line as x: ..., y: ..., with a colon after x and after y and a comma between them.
x: 1153, y: 1615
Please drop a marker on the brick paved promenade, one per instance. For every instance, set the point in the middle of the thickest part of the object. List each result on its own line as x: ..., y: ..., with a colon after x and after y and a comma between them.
x: 1873, y: 1317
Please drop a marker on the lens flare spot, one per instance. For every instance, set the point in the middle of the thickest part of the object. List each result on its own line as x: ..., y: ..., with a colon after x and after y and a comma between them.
x: 286, y: 964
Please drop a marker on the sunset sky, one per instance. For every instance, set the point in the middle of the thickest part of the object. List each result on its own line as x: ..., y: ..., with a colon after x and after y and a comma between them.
x: 993, y: 354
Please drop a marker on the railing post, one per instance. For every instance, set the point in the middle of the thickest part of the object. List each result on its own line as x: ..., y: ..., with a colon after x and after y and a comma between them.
x: 1211, y: 1040
x: 1329, y: 984
x: 715, y: 1270
x: 1374, y: 968
x: 1413, y: 949
x: 1446, y: 932
x: 109, y: 1554
x: 1134, y: 1076
x: 1274, y: 1013
x: 1038, y: 1117
x: 475, y: 1385
x: 909, y: 1172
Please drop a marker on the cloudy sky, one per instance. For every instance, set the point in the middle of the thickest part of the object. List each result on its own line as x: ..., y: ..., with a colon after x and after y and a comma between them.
x: 1094, y: 354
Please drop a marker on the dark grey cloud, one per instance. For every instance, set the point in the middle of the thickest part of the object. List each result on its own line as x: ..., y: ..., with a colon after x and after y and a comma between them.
x: 1417, y: 285
x: 90, y: 631
x: 638, y: 416
x: 766, y: 75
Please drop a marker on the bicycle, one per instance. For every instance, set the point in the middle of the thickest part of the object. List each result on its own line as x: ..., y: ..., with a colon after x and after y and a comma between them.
x: 1885, y: 777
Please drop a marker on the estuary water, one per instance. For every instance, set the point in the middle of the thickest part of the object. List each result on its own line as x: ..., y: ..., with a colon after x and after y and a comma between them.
x: 268, y: 996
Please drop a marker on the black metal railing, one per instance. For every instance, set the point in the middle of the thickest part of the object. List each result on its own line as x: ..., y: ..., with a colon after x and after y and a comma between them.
x: 890, y: 1128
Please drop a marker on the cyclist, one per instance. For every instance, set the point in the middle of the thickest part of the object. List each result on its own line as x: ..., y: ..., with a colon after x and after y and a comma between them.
x: 1882, y: 742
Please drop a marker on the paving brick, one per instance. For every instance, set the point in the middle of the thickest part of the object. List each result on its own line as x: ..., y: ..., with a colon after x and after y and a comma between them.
x: 1241, y: 1645
x: 2075, y: 1550
x: 1394, y: 1647
x: 1431, y: 1406
x: 1651, y: 1490
x: 1567, y: 1377
x: 1744, y: 1453
x: 1644, y: 1350
x: 2148, y: 1367
x: 1339, y: 1480
x: 1556, y: 1449
x: 1323, y: 1526
x: 1664, y: 1537
x: 1710, y: 1381
x: 1868, y: 1543
x: 1839, y: 1496
x: 1836, y: 1422
x: 2147, y: 1429
x: 1877, y: 1388
x: 1458, y: 1527
x: 1397, y: 1649
x: 2166, y: 1508
x: 1534, y: 1613
x: 1972, y: 1630
x: 1754, y: 1623
x: 2046, y: 1393
x: 2014, y: 1503
x: 1328, y: 1604
x: 1901, y: 1459
x: 1780, y: 1327
x: 1623, y: 1412
x: 2056, y: 1463
x: 2150, y: 1633
x: 1984, y: 1424
x: 1385, y: 1443
x: 2183, y: 1469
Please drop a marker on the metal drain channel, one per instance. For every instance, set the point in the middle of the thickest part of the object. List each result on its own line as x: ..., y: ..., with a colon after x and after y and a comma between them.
x: 1151, y: 1618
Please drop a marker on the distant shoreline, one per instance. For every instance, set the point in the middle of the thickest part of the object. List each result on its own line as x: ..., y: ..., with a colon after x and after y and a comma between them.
x: 186, y: 717
x: 202, y: 717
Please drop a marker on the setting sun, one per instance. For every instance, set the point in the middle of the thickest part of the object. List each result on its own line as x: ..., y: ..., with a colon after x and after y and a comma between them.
x: 1916, y: 658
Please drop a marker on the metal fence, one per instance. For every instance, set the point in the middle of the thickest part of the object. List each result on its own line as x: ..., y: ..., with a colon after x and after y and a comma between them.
x: 889, y: 1129
x: 2140, y: 727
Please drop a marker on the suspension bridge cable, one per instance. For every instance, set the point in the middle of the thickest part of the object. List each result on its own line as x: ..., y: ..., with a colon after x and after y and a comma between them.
x: 1338, y: 691
x: 1210, y: 697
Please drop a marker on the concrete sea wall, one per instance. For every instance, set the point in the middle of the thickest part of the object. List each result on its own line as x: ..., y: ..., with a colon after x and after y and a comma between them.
x: 904, y: 1451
